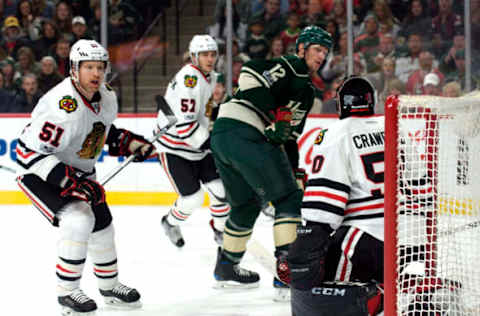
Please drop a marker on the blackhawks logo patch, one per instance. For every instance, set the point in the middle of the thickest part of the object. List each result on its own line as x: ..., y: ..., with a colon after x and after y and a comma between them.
x: 320, y: 137
x: 68, y: 104
x: 93, y: 143
x: 190, y: 81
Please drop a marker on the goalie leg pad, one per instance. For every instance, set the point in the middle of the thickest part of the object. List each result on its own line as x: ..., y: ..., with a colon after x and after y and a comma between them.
x: 340, y: 299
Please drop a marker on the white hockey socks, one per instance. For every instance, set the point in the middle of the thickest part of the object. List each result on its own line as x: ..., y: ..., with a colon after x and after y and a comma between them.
x: 102, y: 252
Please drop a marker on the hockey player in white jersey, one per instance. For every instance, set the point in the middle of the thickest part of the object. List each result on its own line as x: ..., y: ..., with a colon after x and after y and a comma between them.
x: 57, y: 152
x: 342, y: 207
x: 185, y: 149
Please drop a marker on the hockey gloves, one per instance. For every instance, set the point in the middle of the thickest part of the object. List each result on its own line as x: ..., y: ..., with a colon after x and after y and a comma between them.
x: 280, y: 130
x: 307, y: 255
x: 301, y: 177
x: 125, y: 143
x: 74, y: 185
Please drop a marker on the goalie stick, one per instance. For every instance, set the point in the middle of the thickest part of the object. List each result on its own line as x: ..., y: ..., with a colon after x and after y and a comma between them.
x: 168, y: 119
x: 2, y: 167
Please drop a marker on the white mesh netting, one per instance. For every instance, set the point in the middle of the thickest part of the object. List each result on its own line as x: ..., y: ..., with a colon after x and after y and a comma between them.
x: 438, y: 206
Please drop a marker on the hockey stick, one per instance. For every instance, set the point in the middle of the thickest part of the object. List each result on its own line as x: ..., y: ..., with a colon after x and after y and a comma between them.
x: 264, y: 257
x: 459, y: 229
x: 168, y: 120
x: 2, y: 167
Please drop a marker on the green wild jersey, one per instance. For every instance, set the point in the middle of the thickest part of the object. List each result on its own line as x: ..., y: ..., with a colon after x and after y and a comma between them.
x: 267, y: 85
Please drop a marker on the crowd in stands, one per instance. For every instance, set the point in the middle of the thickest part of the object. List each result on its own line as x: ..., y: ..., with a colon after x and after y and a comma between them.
x: 412, y: 47
x: 36, y: 36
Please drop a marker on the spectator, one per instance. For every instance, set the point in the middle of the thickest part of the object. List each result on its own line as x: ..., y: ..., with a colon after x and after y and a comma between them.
x: 360, y: 9
x: 28, y: 21
x: 431, y: 84
x: 26, y: 63
x: 300, y: 7
x: 257, y: 45
x: 381, y: 79
x: 446, y: 21
x: 125, y: 21
x: 220, y: 92
x: 394, y: 87
x: 274, y: 22
x: 452, y: 90
x: 8, y: 7
x: 408, y: 62
x: 337, y: 63
x: 368, y: 41
x: 241, y: 10
x: 374, y: 58
x: 28, y: 96
x: 13, y: 37
x: 332, y: 28
x: 49, y: 76
x: 49, y: 36
x: 415, y: 80
x: 476, y: 29
x: 276, y: 48
x: 7, y: 67
x: 63, y: 19
x: 290, y: 34
x: 79, y: 29
x: 329, y: 94
x: 416, y: 21
x: 43, y: 8
x: 258, y: 5
x: 447, y: 63
x: 459, y: 74
x: 314, y: 14
x: 81, y: 8
x: 62, y: 51
x: 221, y: 60
x: 7, y: 98
x: 384, y: 17
x: 236, y: 68
x: 339, y: 15
x: 95, y: 21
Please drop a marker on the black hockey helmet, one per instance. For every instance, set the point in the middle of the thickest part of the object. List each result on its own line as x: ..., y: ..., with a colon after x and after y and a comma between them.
x: 356, y: 96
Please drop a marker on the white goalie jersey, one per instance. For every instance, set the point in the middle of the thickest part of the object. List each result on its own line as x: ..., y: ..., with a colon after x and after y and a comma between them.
x: 66, y: 127
x: 346, y: 182
x: 189, y: 95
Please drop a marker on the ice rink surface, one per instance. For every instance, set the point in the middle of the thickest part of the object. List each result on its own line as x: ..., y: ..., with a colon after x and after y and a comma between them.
x: 172, y: 282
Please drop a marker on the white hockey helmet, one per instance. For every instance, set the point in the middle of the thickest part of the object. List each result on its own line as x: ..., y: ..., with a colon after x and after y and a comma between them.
x: 202, y: 43
x: 87, y: 50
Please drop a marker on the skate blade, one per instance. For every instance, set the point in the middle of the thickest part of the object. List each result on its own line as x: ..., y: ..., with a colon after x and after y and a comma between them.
x: 67, y: 311
x: 225, y: 285
x: 281, y: 295
x: 119, y: 304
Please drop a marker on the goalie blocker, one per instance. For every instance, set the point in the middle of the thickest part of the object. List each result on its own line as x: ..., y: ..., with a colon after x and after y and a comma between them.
x: 337, y: 298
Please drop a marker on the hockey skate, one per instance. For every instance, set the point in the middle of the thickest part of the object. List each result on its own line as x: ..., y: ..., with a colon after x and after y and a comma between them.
x: 122, y: 296
x: 217, y: 235
x: 230, y: 275
x: 173, y: 232
x: 77, y: 304
x: 282, y: 291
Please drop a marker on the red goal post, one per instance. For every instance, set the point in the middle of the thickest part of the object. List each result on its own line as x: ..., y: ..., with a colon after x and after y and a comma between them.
x: 432, y: 206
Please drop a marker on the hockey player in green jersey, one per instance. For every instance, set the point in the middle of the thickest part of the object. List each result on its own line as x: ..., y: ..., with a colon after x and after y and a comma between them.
x: 254, y: 145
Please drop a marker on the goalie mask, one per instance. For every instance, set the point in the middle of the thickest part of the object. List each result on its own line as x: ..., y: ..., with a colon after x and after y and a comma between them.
x: 87, y: 50
x: 356, y: 96
x: 201, y: 43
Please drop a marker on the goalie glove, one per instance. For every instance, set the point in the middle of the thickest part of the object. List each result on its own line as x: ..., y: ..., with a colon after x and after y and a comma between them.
x: 125, y: 143
x: 280, y: 130
x: 74, y: 185
x: 301, y: 177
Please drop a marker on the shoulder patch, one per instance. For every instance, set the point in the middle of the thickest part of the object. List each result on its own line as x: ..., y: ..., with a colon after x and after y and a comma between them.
x: 190, y: 81
x: 68, y: 104
x: 109, y: 87
x: 320, y: 137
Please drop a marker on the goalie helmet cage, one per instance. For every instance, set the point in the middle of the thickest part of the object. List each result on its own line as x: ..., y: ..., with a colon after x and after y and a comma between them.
x: 432, y: 214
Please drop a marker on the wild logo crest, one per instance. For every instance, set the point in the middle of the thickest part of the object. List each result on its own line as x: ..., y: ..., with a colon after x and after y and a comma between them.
x: 190, y: 81
x: 320, y: 137
x: 93, y: 143
x: 68, y: 104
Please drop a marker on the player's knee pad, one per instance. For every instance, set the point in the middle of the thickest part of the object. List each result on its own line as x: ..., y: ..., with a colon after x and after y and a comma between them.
x: 76, y: 221
x: 187, y: 203
x: 101, y: 245
x: 340, y: 299
x: 289, y: 205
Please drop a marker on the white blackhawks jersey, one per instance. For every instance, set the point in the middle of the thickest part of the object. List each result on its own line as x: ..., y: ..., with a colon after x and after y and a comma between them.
x: 189, y: 95
x: 66, y: 127
x: 346, y: 183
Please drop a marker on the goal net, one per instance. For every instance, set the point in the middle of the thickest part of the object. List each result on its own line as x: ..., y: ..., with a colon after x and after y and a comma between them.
x: 432, y: 206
